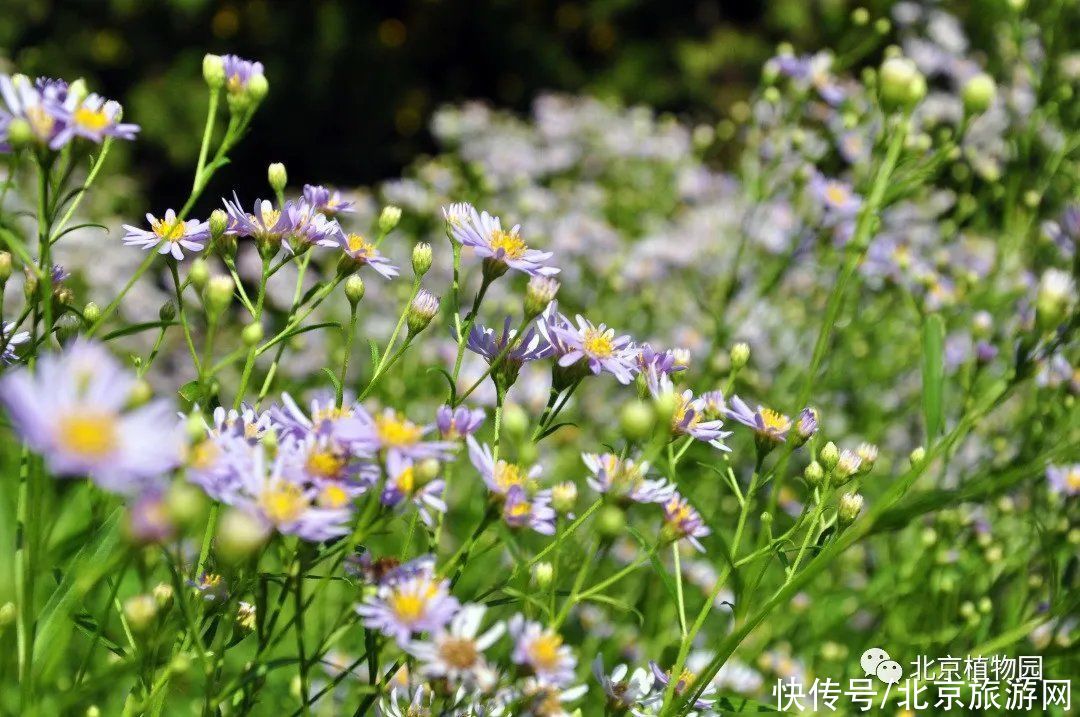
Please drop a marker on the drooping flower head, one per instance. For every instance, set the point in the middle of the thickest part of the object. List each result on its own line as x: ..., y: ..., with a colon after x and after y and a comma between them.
x: 72, y: 409
x: 501, y: 249
x: 625, y: 480
x: 421, y: 603
x: 683, y: 522
x: 327, y: 201
x: 360, y: 252
x: 541, y: 650
x: 689, y: 416
x: 169, y: 235
x: 485, y: 342
x: 770, y: 427
x: 457, y: 423
x: 598, y: 348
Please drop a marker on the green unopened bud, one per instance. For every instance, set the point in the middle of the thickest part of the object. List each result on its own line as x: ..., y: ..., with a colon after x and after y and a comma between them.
x: 389, y: 218
x: 219, y: 222
x: 141, y: 393
x: 277, y: 176
x: 564, y: 496
x: 20, y: 134
x: 637, y: 420
x: 213, y: 71
x: 860, y: 16
x: 850, y: 506
x: 91, y: 313
x: 917, y: 457
x: 252, y: 334
x: 6, y: 267
x: 185, y: 503
x: 163, y: 595
x: 67, y: 327
x: 539, y: 292
x: 258, y: 87
x: 219, y: 293
x: 140, y: 611
x: 978, y: 93
x: 1056, y: 294
x: 167, y: 312
x: 198, y: 275
x: 542, y: 573
x: 7, y: 614
x: 829, y: 455
x: 354, y: 289
x: 899, y: 83
x: 421, y: 258
x: 239, y: 535
x: 421, y: 311
x: 611, y: 521
x: 814, y: 474
x: 740, y: 355
x: 426, y: 471
x: 514, y: 420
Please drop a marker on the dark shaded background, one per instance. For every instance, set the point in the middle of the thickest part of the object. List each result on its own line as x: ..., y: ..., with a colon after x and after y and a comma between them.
x: 353, y: 84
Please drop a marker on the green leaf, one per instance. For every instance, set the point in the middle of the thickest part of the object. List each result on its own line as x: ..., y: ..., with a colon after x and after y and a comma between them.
x: 89, y: 566
x: 374, y: 348
x: 137, y: 328
x: 333, y: 378
x: 449, y: 381
x: 618, y: 605
x: 933, y: 374
x: 190, y: 392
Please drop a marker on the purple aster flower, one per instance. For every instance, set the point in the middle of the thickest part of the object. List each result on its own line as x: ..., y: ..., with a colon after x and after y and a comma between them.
x: 25, y: 101
x: 169, y: 234
x: 238, y: 72
x: 813, y: 71
x: 501, y: 476
x: 73, y: 410
x: 308, y: 227
x: 838, y: 199
x: 403, y: 484
x: 395, y: 434
x: 770, y: 427
x: 9, y: 339
x: 683, y: 522
x: 625, y: 480
x: 246, y: 423
x: 422, y: 603
x: 361, y: 252
x: 455, y: 423
x: 1064, y: 480
x: 690, y: 415
x: 521, y: 510
x: 599, y: 348
x: 806, y: 425
x: 276, y: 493
x: 327, y: 201
x: 659, y: 363
x: 625, y: 694
x: 323, y: 462
x: 485, y: 342
x: 210, y: 586
x: 501, y: 249
x: 347, y: 424
x: 93, y: 118
x: 265, y: 224
x: 684, y: 682
x: 456, y: 652
x: 217, y: 462
x: 541, y: 651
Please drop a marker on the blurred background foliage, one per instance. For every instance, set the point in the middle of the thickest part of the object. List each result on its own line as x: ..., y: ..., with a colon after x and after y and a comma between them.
x: 354, y: 83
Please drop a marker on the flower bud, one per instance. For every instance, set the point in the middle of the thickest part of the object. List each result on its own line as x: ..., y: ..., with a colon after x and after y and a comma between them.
x: 219, y: 222
x: 91, y: 312
x: 389, y: 218
x: 637, y: 420
x: 239, y: 535
x: 140, y: 611
x: 421, y: 258
x: 354, y: 289
x: 917, y: 457
x: 814, y: 474
x: 860, y: 16
x: 899, y: 83
x: 5, y: 267
x: 829, y: 455
x: 806, y: 425
x: 140, y: 394
x: 252, y: 334
x: 611, y: 521
x: 542, y: 573
x: 219, y: 293
x: 277, y: 176
x: 539, y: 292
x: 20, y: 133
x: 740, y: 355
x: 1055, y: 295
x: 564, y: 496
x: 8, y: 614
x: 978, y: 93
x: 426, y: 471
x: 163, y: 595
x: 167, y: 312
x: 185, y: 503
x: 421, y: 311
x: 847, y: 465
x: 850, y: 506
x: 257, y: 88
x: 868, y: 454
x: 213, y: 71
x: 67, y: 328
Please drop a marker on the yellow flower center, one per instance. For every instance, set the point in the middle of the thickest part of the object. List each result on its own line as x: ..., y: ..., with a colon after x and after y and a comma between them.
x: 173, y: 231
x: 686, y: 679
x: 836, y: 194
x: 459, y: 652
x: 394, y: 430
x: 41, y: 122
x: 92, y: 434
x: 359, y: 247
x: 410, y: 604
x: 235, y: 83
x: 325, y: 464
x: 202, y: 455
x: 283, y: 504
x: 330, y: 413
x: 518, y: 510
x: 333, y: 496
x: 544, y: 651
x: 1073, y: 479
x: 775, y: 422
x: 510, y: 243
x: 508, y: 475
x: 406, y: 481
x: 599, y: 344
x: 93, y: 120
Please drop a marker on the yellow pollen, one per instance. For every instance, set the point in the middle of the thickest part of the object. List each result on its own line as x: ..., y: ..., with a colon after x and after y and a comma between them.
x: 1073, y: 479
x: 325, y: 464
x: 92, y: 434
x: 406, y: 481
x: 396, y: 431
x: 511, y: 244
x: 333, y: 496
x: 598, y: 343
x: 330, y: 413
x: 686, y: 679
x: 544, y: 651
x: 360, y: 246
x: 234, y: 84
x: 202, y: 455
x: 173, y: 231
x: 775, y: 422
x: 283, y: 504
x: 836, y: 194
x: 410, y: 604
x: 508, y: 475
x: 518, y: 510
x: 459, y: 652
x: 40, y: 121
x: 93, y: 120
